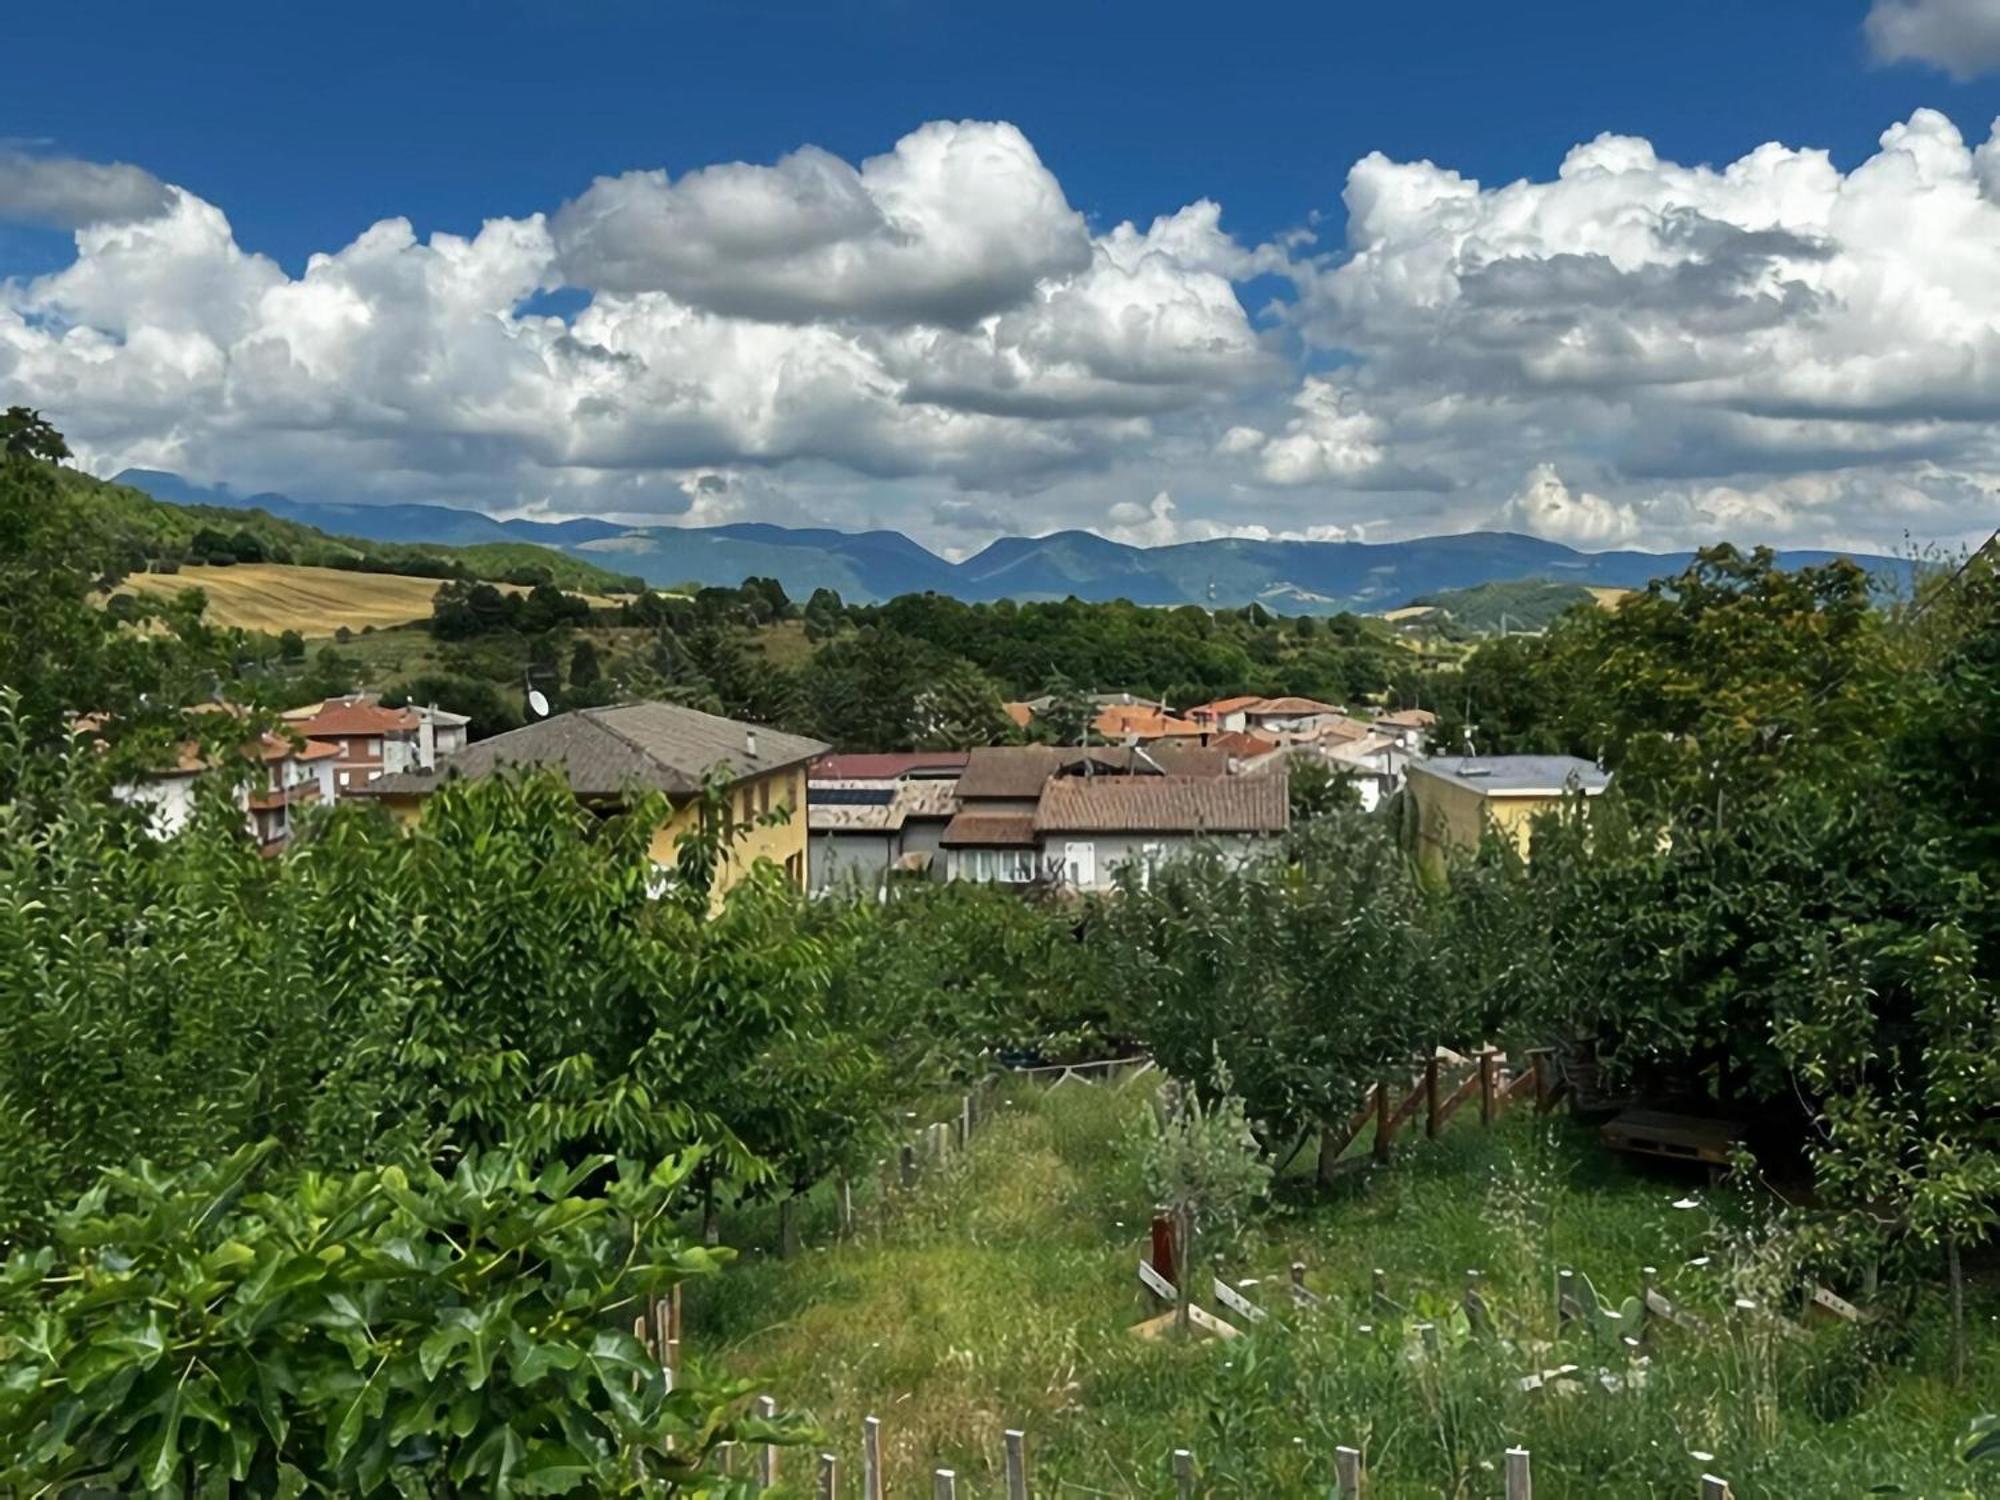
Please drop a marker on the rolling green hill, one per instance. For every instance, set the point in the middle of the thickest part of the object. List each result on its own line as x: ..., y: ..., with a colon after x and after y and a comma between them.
x: 152, y: 535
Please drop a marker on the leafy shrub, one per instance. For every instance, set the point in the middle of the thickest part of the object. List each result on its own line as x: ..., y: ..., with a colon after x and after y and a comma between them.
x: 386, y: 1331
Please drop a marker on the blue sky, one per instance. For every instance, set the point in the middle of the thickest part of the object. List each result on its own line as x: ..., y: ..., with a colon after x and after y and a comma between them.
x: 451, y: 115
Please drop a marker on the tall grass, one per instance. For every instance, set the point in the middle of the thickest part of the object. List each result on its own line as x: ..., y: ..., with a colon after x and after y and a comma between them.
x: 1001, y: 1294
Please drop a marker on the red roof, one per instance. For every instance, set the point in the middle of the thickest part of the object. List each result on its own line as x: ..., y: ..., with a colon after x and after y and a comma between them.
x: 889, y: 766
x: 342, y: 718
x: 1223, y: 706
x: 1293, y: 706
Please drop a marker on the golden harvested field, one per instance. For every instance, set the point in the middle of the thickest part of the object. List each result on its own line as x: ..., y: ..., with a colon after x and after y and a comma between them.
x: 274, y: 597
x: 1611, y: 598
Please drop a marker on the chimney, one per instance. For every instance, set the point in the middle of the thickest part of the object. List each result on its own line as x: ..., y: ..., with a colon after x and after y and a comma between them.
x: 426, y: 740
x: 750, y: 743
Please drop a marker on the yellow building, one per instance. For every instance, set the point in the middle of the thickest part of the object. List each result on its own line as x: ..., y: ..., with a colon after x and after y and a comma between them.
x: 1455, y: 799
x: 609, y: 753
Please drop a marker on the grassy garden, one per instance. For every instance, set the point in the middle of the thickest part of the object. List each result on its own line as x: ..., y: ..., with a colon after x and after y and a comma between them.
x: 1000, y: 1293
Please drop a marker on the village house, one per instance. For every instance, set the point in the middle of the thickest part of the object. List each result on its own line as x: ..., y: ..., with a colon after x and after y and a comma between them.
x: 999, y: 836
x: 1409, y: 727
x: 1090, y: 827
x: 1454, y: 800
x: 872, y: 816
x: 287, y: 774
x: 1374, y: 763
x: 608, y: 754
x: 371, y: 741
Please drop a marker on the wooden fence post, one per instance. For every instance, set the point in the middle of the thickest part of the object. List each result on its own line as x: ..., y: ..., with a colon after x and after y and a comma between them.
x: 1378, y: 1291
x: 1520, y: 1484
x: 1347, y: 1476
x: 1713, y: 1488
x: 829, y: 1477
x: 1017, y: 1464
x: 965, y: 1121
x: 1162, y: 1256
x: 846, y: 1201
x: 1486, y: 1086
x: 1184, y: 1473
x: 1431, y: 1121
x: 871, y: 1458
x: 788, y: 1229
x: 1428, y: 1332
x: 1184, y: 1248
x: 944, y: 1485
x: 1538, y: 1060
x: 767, y: 1460
x: 909, y: 1162
x: 1649, y: 1278
x: 1567, y: 1309
x: 1383, y: 1109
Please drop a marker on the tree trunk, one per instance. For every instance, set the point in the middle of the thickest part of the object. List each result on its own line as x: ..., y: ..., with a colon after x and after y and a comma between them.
x: 788, y: 1229
x: 1957, y: 1273
x: 1330, y: 1147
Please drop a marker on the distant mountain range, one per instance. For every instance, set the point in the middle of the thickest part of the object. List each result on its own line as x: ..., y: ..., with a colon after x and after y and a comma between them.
x: 1287, y: 577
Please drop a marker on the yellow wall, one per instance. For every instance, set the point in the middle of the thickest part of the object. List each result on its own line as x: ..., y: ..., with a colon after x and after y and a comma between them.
x: 1453, y: 817
x: 748, y: 801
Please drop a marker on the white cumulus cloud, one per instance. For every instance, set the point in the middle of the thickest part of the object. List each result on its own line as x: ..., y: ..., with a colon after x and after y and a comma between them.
x: 1960, y: 36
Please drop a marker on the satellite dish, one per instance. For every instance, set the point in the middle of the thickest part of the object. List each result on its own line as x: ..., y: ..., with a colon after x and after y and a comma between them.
x: 538, y: 703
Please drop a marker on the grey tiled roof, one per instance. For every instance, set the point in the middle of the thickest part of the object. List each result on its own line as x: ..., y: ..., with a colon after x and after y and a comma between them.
x: 608, y: 751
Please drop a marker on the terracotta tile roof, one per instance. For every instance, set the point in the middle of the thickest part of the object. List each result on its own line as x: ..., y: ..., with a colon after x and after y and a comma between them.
x: 606, y: 752
x: 1008, y: 829
x: 1141, y: 722
x: 1165, y: 804
x: 1223, y: 706
x: 1020, y: 713
x: 349, y: 718
x: 1408, y: 718
x: 884, y: 767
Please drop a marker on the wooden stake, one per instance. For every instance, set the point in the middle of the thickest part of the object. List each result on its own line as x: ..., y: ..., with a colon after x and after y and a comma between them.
x: 1347, y: 1476
x: 1184, y: 1246
x: 1184, y: 1473
x: 829, y: 1477
x: 846, y: 1200
x: 965, y: 1121
x: 1431, y: 1120
x: 1713, y: 1488
x: 1017, y: 1464
x: 1428, y: 1332
x: 767, y: 1460
x: 944, y: 1485
x: 788, y: 1229
x: 1378, y: 1291
x: 1476, y: 1316
x: 1567, y: 1310
x: 871, y: 1458
x: 1520, y: 1484
x: 1486, y: 1086
x: 1383, y: 1127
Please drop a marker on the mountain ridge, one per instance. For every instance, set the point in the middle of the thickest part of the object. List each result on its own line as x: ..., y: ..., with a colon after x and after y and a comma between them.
x: 1289, y: 577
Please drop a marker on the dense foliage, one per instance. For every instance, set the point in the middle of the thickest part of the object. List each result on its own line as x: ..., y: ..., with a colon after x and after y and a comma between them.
x: 385, y: 1331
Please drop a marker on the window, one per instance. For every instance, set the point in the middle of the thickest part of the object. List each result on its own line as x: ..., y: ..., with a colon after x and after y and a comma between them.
x: 763, y: 795
x: 743, y: 804
x: 343, y: 747
x: 982, y: 867
x: 795, y: 869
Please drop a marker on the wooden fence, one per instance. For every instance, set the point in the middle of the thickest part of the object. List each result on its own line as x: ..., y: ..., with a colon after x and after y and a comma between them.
x: 1427, y: 1090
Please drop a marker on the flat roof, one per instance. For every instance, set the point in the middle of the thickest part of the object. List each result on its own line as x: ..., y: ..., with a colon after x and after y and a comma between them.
x: 1517, y: 775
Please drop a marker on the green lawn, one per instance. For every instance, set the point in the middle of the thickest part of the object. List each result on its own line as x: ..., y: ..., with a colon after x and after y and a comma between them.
x: 1000, y: 1294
